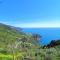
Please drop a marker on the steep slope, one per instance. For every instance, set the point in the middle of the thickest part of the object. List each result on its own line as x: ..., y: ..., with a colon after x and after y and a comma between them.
x: 7, y: 34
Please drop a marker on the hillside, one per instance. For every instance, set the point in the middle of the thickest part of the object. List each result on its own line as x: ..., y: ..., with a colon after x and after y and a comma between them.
x: 7, y: 34
x: 17, y: 45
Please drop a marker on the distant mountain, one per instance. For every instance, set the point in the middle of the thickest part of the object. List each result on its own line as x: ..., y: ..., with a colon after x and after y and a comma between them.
x: 16, y: 28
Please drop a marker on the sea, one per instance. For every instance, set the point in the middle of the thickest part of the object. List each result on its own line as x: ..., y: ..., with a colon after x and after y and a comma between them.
x: 48, y: 34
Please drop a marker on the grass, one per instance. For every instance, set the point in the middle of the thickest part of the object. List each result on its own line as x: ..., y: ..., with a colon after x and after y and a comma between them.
x: 9, y: 57
x: 5, y: 57
x: 45, y: 54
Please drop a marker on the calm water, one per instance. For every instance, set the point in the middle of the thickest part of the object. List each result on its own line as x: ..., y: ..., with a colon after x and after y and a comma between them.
x: 47, y: 34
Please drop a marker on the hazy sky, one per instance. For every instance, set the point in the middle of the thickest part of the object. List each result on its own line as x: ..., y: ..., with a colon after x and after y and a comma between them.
x: 30, y: 13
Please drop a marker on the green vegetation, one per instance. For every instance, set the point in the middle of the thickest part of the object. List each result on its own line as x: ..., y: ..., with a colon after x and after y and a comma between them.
x: 17, y: 45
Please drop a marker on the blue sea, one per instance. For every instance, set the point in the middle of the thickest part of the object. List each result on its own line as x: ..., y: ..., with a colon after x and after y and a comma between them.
x: 47, y: 34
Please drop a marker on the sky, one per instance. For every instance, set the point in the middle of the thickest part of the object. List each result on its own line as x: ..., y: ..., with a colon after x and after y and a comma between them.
x: 30, y: 13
